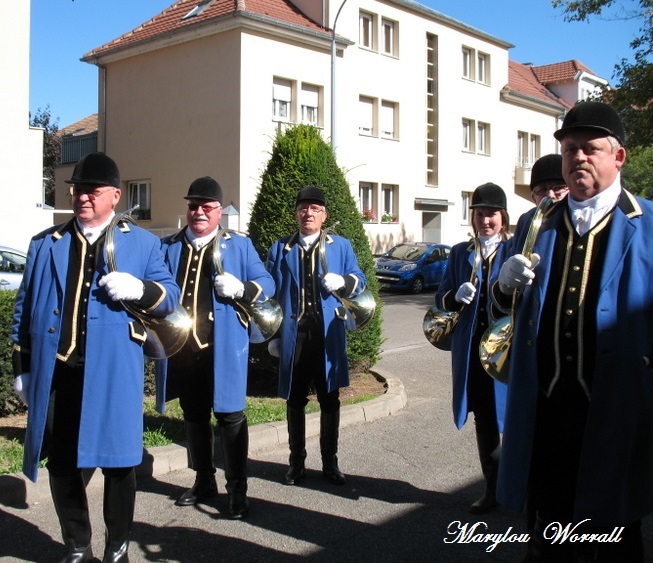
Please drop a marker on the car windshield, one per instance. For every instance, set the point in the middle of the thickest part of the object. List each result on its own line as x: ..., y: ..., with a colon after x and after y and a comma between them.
x: 10, y: 262
x: 407, y: 252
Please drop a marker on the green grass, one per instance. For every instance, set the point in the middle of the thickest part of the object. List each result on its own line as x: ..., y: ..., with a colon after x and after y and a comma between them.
x: 161, y: 430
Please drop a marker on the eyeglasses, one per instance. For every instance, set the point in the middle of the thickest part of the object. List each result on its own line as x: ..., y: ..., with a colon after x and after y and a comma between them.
x: 89, y: 191
x: 205, y: 207
x: 543, y: 190
x: 314, y: 209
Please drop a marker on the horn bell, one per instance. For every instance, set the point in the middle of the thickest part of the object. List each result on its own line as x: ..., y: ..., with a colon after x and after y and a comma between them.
x: 494, y: 349
x: 438, y: 327
x: 265, y: 317
x: 361, y: 308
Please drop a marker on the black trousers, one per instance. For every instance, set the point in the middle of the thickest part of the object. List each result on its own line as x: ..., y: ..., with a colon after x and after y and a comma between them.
x: 308, y: 368
x: 190, y: 377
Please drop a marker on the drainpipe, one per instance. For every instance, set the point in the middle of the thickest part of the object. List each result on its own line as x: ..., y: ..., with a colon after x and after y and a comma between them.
x: 333, y: 79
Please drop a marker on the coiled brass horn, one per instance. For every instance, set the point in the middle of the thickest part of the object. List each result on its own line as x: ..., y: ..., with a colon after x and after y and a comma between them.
x: 494, y: 348
x: 264, y: 317
x: 165, y: 335
x: 362, y: 306
x: 438, y: 324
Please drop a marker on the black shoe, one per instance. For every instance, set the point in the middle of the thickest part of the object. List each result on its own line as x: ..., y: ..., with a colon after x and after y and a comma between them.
x: 78, y: 555
x: 483, y: 505
x: 121, y: 555
x: 332, y: 472
x: 203, y: 489
x: 238, y: 506
x: 295, y: 474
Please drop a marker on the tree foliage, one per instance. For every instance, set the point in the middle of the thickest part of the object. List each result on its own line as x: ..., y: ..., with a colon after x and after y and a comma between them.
x: 51, y: 148
x: 9, y: 401
x: 299, y: 158
x: 636, y: 175
x: 632, y: 96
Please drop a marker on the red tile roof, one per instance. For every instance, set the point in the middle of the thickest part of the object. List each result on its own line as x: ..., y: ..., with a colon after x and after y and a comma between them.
x: 82, y: 127
x: 522, y: 79
x: 170, y: 20
x: 557, y: 72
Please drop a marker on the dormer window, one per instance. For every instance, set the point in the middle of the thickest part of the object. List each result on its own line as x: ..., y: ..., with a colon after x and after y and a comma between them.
x: 197, y: 10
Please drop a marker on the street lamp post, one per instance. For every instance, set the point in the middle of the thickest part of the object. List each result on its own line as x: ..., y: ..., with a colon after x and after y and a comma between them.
x: 333, y: 78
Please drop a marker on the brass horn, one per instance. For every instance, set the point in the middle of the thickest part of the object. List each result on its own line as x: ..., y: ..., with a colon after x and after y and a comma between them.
x: 362, y: 306
x: 438, y: 324
x: 165, y: 335
x: 264, y: 316
x: 494, y: 348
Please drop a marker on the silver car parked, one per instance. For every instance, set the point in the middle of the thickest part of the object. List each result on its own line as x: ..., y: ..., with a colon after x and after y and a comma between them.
x: 12, y: 266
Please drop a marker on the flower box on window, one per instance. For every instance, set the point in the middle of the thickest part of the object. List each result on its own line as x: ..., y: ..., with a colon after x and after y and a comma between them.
x: 368, y: 216
x: 388, y: 218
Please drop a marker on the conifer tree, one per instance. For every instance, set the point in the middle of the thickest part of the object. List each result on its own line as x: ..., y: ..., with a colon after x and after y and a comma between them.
x: 299, y: 158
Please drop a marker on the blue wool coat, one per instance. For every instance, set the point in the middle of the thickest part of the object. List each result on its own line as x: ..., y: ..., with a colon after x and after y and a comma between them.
x: 459, y: 269
x: 230, y: 335
x: 283, y: 264
x: 615, y: 480
x: 111, y: 425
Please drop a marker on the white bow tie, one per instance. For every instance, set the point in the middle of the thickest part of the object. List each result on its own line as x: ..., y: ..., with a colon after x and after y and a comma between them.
x: 582, y: 219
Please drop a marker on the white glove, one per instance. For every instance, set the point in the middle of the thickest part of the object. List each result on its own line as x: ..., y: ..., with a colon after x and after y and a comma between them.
x: 517, y: 272
x: 465, y: 293
x: 21, y: 383
x: 122, y: 286
x: 228, y: 286
x: 333, y: 282
x: 274, y: 347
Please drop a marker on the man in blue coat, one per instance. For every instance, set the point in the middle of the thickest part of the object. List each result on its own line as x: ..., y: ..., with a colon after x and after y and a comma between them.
x: 209, y: 374
x: 578, y: 441
x: 78, y: 355
x: 312, y: 345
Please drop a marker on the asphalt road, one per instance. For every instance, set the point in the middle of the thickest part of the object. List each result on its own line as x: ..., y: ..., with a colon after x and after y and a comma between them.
x: 410, y: 478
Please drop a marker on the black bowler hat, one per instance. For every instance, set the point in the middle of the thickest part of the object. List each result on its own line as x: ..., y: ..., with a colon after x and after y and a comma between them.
x: 547, y: 169
x: 97, y: 169
x: 205, y: 188
x: 593, y: 116
x: 489, y: 195
x: 311, y: 193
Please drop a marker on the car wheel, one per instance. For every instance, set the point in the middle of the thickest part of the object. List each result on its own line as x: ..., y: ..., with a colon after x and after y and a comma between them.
x: 418, y: 285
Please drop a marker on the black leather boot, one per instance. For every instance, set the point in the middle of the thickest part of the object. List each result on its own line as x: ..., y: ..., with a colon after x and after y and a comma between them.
x: 329, y: 427
x: 235, y: 446
x: 297, y: 441
x: 69, y: 497
x: 119, y: 500
x: 199, y: 438
x: 489, y: 451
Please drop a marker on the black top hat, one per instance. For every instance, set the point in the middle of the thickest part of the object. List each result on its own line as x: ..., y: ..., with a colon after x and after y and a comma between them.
x: 205, y: 188
x: 547, y: 169
x: 489, y: 195
x: 97, y: 169
x: 595, y: 116
x: 311, y: 193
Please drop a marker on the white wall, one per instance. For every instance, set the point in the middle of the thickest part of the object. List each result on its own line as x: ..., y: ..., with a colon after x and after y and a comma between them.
x: 21, y: 147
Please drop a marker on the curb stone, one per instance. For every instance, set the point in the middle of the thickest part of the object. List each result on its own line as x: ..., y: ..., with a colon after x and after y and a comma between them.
x: 16, y: 488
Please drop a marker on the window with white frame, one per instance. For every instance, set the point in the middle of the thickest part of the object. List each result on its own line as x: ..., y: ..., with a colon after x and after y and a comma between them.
x: 281, y: 99
x: 310, y: 100
x: 528, y: 149
x: 482, y: 68
x: 138, y: 193
x: 366, y: 115
x: 466, y: 201
x: 389, y: 30
x: 366, y: 201
x: 483, y: 138
x: 389, y: 200
x: 366, y: 30
x: 388, y: 120
x: 468, y: 135
x: 468, y: 71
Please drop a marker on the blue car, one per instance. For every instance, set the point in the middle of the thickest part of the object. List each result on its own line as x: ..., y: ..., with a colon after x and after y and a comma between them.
x: 412, y: 266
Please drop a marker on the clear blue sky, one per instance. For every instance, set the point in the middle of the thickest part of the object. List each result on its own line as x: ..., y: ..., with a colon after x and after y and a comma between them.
x: 62, y: 31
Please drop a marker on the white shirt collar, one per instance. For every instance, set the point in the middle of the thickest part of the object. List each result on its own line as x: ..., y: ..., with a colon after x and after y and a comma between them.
x: 587, y: 214
x: 198, y: 242
x: 91, y: 234
x: 489, y: 244
x: 306, y: 241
